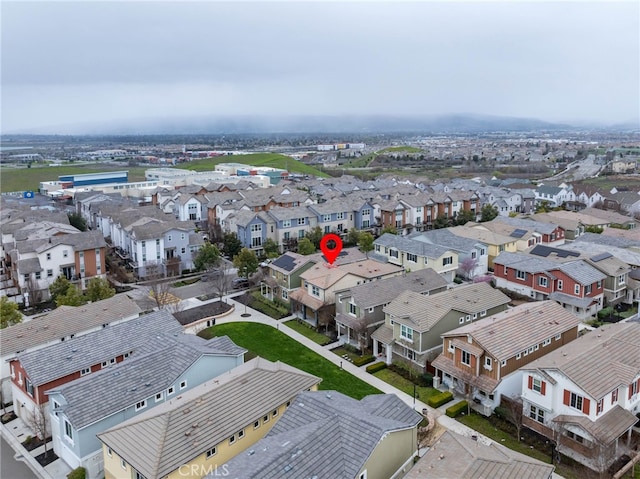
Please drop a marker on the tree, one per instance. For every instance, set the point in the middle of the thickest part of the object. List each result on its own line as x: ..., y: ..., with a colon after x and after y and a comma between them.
x: 543, y: 207
x: 360, y: 329
x: 441, y: 221
x: 207, y: 257
x: 353, y: 236
x: 221, y: 282
x: 99, y: 288
x: 59, y: 287
x: 73, y: 297
x: 232, y: 245
x: 315, y: 236
x: 306, y: 247
x: 247, y: 262
x: 158, y: 284
x: 593, y: 229
x: 488, y: 213
x: 32, y: 290
x: 392, y: 230
x: 465, y: 216
x: 77, y: 221
x: 512, y: 409
x: 38, y: 421
x: 467, y: 267
x: 9, y: 314
x: 366, y: 243
x: 271, y: 248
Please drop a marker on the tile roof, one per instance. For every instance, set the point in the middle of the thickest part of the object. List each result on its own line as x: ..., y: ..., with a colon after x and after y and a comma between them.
x: 607, y: 428
x: 29, y: 265
x: 64, y: 321
x: 424, y: 312
x: 100, y: 394
x: 375, y: 293
x: 579, y: 270
x: 582, y: 272
x: 478, y: 233
x: 599, y: 361
x: 454, y: 456
x: 164, y: 438
x: 324, y: 434
x: 447, y: 239
x: 58, y: 360
x: 509, y: 332
x: 413, y: 246
x: 483, y: 382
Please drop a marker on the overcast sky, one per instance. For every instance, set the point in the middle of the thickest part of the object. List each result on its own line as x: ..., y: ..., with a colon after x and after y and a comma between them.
x: 77, y: 62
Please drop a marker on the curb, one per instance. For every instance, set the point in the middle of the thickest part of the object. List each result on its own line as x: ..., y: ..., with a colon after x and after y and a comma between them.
x: 25, y: 457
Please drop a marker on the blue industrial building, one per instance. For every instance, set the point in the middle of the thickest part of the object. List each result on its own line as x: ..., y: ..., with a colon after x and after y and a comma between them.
x: 74, y: 181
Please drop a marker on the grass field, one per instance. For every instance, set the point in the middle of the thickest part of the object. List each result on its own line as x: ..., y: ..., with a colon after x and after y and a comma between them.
x: 306, y: 331
x: 407, y: 149
x: 404, y: 385
x: 22, y: 179
x: 274, y: 345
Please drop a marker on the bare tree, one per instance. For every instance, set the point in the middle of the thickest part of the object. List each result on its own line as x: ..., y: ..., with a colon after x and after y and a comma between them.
x: 467, y: 266
x: 360, y: 327
x: 467, y: 382
x: 35, y: 293
x: 158, y: 284
x: 512, y: 407
x: 38, y: 421
x: 222, y: 281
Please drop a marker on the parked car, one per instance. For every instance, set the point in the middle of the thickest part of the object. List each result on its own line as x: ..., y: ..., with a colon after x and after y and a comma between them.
x: 240, y: 283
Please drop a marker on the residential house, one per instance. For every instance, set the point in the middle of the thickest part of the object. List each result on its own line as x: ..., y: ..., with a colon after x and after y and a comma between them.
x: 189, y: 207
x: 291, y: 225
x: 482, y: 360
x: 572, y: 226
x: 314, y: 302
x: 528, y: 231
x: 496, y: 243
x: 101, y: 400
x: 613, y: 218
x: 414, y: 322
x: 586, y: 196
x: 59, y: 325
x: 625, y: 202
x: 584, y: 397
x: 554, y: 195
x: 198, y: 432
x: 473, y: 258
x: 37, y: 371
x: 359, y: 310
x: 454, y: 456
x: 327, y: 434
x: 253, y: 228
x: 576, y: 285
x: 335, y: 216
x: 414, y: 255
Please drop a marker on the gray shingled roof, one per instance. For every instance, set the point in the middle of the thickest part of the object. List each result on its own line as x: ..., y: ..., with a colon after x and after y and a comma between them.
x: 29, y: 265
x: 582, y: 272
x: 407, y: 245
x: 599, y: 361
x: 608, y: 428
x: 101, y: 394
x: 323, y: 434
x: 379, y: 292
x: 156, y: 442
x: 445, y: 238
x: 579, y: 270
x: 509, y: 332
x: 64, y: 321
x: 58, y: 360
x: 539, y: 226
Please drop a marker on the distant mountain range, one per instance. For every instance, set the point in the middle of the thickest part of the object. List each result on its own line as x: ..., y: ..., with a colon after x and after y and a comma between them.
x: 362, y: 124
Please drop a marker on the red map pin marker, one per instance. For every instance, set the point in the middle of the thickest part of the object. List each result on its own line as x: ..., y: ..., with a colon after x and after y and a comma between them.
x: 331, y: 245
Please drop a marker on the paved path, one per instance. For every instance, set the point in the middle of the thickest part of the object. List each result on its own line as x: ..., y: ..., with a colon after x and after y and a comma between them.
x: 10, y: 466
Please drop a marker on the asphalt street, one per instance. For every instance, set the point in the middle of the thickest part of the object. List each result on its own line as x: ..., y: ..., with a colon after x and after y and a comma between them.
x: 11, y: 468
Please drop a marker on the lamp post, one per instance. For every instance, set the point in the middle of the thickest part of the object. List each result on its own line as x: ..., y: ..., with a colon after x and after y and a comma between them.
x: 414, y: 396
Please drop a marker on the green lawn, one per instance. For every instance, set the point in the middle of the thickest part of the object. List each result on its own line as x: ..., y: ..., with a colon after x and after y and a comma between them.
x: 406, y: 148
x: 273, y: 160
x: 340, y: 351
x: 390, y: 377
x: 306, y: 331
x: 274, y: 345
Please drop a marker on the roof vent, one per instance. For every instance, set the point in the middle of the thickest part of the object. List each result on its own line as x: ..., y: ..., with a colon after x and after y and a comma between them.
x: 328, y: 396
x: 147, y: 384
x: 194, y: 425
x: 134, y: 388
x: 251, y: 452
x: 187, y: 433
x: 288, y: 467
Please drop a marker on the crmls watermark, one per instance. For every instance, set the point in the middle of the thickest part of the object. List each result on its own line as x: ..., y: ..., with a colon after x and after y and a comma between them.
x: 201, y: 470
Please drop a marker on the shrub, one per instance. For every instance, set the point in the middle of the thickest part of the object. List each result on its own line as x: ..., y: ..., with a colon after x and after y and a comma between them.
x: 374, y: 368
x: 457, y: 280
x: 77, y: 473
x: 456, y: 409
x: 27, y: 440
x: 501, y: 412
x: 361, y: 361
x: 438, y: 400
x: 427, y: 380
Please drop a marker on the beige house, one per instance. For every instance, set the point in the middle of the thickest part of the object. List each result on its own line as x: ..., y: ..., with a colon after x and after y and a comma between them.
x: 496, y: 242
x: 200, y: 430
x: 414, y: 323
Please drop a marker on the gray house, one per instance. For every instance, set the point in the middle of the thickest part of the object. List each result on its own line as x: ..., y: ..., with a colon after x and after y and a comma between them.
x: 359, y: 310
x: 414, y: 323
x: 94, y: 403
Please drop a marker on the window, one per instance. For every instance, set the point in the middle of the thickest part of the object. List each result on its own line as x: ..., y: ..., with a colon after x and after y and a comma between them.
x: 518, y: 356
x: 326, y: 218
x: 104, y: 364
x: 265, y: 419
x: 300, y: 234
x: 426, y: 260
x: 461, y: 320
x: 447, y: 260
x: 29, y: 387
x: 558, y: 337
x: 599, y: 406
x: 285, y: 294
x: 169, y: 238
x: 546, y: 342
x: 123, y: 464
x: 543, y: 281
x: 141, y: 405
x: 559, y: 285
x: 340, y: 216
x: 370, y: 310
x: 406, y: 332
x: 468, y: 318
x: 599, y: 284
x: 503, y: 363
x: 315, y: 290
x: 68, y: 430
x: 286, y: 223
x: 157, y: 244
x: 393, y: 253
x: 352, y: 309
x: 256, y: 424
x: 170, y: 391
x: 537, y: 385
x: 465, y: 358
x: 575, y: 437
x: 412, y: 257
x: 274, y: 413
x: 85, y: 371
x: 536, y: 414
x: 183, y: 384
x: 521, y: 275
x: 450, y: 348
x: 49, y: 273
x: 488, y: 363
x: 211, y: 452
x: 232, y: 439
x: 48, y: 256
x: 621, y: 279
x: 587, y: 289
x: 240, y: 433
x: 483, y: 313
x: 575, y: 401
x: 301, y: 221
x: 109, y: 452
x: 366, y: 212
x: 614, y: 396
x: 182, y: 237
x: 576, y: 289
x: 159, y: 397
x: 37, y: 274
x: 65, y: 254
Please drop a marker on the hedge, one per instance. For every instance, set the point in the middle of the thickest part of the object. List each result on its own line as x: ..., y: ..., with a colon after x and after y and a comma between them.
x: 438, y: 400
x: 361, y: 361
x: 77, y: 473
x: 374, y: 368
x: 457, y: 408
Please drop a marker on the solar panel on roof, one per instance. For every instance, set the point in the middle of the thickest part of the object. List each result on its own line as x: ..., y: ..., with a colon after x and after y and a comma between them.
x: 540, y: 250
x: 562, y: 253
x: 518, y: 233
x: 285, y: 262
x: 601, y: 256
